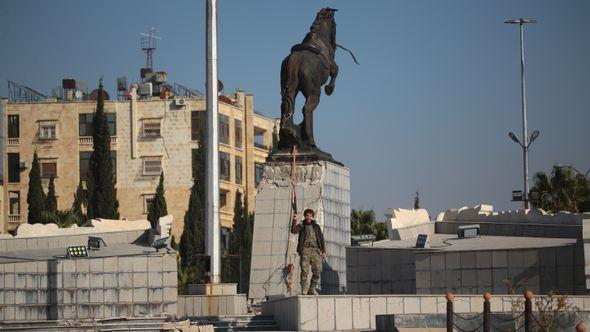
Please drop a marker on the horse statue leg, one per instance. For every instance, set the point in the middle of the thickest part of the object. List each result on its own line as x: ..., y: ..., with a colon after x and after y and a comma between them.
x: 333, y: 73
x: 311, y: 102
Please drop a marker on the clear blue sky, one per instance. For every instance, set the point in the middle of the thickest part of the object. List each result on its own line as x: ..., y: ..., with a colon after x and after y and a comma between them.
x: 429, y: 107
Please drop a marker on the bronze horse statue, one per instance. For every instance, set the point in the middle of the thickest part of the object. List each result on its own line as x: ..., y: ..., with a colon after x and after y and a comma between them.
x: 306, y: 70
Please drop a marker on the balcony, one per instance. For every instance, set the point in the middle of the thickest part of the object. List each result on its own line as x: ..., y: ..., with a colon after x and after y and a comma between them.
x: 13, y: 142
x: 87, y: 140
x: 14, y: 218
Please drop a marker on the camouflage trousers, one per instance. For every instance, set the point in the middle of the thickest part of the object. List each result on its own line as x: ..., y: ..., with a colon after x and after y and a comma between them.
x: 310, y: 258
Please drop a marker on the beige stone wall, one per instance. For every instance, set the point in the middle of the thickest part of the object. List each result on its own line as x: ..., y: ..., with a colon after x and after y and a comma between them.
x: 173, y: 147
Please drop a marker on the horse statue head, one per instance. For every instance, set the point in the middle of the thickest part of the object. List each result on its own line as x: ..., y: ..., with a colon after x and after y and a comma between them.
x: 324, y: 27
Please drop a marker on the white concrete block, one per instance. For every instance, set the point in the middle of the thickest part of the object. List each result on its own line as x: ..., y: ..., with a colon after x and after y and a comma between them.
x: 343, y: 313
x: 308, y: 314
x: 326, y: 306
x: 395, y: 305
x: 361, y: 313
x: 378, y: 306
x: 411, y: 305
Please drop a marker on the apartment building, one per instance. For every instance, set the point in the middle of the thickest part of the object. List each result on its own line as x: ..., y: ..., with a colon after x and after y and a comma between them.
x: 149, y: 135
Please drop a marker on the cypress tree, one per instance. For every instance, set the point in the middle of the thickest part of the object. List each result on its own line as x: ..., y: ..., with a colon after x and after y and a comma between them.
x: 192, y: 241
x: 231, y: 263
x: 51, y: 205
x: 102, y: 197
x: 77, y: 204
x: 246, y: 249
x: 35, y: 195
x: 417, y: 200
x: 158, y: 208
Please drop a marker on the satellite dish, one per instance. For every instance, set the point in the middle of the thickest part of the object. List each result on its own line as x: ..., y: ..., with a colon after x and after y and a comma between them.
x: 79, y: 94
x: 219, y: 86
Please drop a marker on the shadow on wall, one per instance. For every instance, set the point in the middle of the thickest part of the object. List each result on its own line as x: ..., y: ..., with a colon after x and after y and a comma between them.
x: 52, y: 312
x: 330, y: 280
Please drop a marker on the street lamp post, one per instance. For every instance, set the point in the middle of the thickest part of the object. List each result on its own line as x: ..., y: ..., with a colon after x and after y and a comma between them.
x: 525, y: 141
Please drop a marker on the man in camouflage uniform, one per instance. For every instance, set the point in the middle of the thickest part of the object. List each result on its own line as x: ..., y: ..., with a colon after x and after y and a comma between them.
x: 311, y: 249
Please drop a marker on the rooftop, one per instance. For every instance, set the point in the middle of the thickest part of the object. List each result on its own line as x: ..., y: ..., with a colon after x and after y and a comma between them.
x: 450, y: 242
x: 119, y: 249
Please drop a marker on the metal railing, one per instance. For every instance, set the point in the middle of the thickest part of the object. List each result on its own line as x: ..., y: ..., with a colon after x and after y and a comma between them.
x: 524, y: 321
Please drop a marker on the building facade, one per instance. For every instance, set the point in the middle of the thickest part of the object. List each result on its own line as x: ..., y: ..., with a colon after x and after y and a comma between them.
x: 150, y: 136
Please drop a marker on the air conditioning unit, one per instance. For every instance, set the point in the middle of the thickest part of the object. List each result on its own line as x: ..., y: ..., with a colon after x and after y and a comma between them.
x: 24, y: 165
x: 179, y: 101
x: 145, y: 89
x: 468, y: 231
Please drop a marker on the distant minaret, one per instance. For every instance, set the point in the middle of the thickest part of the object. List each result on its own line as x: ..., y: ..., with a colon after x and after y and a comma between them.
x: 213, y: 248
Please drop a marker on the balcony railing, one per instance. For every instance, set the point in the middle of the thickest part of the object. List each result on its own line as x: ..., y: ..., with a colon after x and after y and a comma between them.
x: 13, y: 142
x: 14, y: 218
x: 87, y: 140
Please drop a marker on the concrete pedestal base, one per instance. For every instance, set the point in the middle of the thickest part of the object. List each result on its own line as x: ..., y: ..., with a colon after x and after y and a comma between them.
x: 211, y: 300
x: 322, y: 186
x: 212, y: 289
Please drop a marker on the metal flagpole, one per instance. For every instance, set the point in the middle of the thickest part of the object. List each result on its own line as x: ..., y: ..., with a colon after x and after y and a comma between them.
x: 213, y: 227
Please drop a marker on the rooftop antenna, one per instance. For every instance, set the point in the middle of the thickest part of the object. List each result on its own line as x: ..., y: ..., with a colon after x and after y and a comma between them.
x: 148, y: 45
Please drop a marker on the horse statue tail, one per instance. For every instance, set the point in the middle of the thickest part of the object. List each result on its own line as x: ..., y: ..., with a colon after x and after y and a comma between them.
x: 289, y: 133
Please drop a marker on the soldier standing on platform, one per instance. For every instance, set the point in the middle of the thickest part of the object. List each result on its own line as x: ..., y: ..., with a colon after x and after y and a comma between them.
x: 311, y: 249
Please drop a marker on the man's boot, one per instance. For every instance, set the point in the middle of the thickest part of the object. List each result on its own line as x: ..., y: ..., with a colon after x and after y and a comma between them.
x: 303, y: 291
x: 313, y: 291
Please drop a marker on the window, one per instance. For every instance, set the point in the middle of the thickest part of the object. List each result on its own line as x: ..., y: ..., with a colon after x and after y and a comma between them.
x: 85, y: 163
x: 85, y: 124
x: 152, y: 165
x: 197, y: 125
x: 258, y: 171
x: 48, y: 168
x: 223, y: 198
x: 259, y: 138
x: 14, y: 203
x: 238, y: 165
x: 13, y: 167
x: 13, y: 126
x: 223, y: 129
x: 47, y: 130
x: 238, y: 133
x: 147, y: 202
x: 151, y: 128
x: 224, y: 166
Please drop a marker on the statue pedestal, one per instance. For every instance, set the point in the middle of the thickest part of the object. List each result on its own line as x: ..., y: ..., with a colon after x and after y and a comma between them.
x: 322, y: 186
x: 212, y: 289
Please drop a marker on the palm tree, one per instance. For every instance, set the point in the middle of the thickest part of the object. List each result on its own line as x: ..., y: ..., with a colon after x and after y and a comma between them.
x: 566, y: 189
x: 363, y: 222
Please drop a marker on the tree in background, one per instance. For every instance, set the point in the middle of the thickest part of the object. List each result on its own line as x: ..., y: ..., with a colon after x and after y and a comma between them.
x: 158, y: 208
x: 51, y: 201
x: 78, y: 203
x: 230, y: 268
x: 363, y: 222
x: 417, y: 200
x: 246, y: 249
x: 565, y: 189
x: 191, y: 267
x: 102, y: 196
x: 35, y: 196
